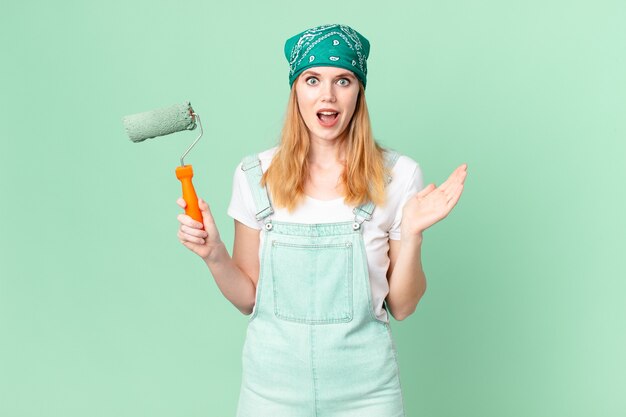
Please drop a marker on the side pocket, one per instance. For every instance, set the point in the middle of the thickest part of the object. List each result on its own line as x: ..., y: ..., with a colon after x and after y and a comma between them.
x: 370, y: 304
x: 260, y: 282
x: 255, y: 309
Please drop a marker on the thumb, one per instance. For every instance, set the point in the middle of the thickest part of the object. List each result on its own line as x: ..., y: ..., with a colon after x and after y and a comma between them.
x: 426, y: 190
x: 207, y: 216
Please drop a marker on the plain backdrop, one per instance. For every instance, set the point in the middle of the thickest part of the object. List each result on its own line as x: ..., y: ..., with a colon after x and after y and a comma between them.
x: 104, y: 313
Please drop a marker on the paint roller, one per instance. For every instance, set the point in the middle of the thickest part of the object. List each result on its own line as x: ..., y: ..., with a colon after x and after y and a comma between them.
x: 164, y: 121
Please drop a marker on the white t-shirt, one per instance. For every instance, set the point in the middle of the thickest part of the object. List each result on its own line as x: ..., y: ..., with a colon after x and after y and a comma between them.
x: 406, y: 181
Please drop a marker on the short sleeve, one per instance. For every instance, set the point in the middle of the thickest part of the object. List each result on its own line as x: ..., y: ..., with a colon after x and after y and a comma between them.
x: 414, y: 185
x: 241, y: 205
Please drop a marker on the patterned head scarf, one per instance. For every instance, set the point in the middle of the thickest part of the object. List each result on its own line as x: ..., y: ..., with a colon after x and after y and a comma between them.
x: 328, y: 46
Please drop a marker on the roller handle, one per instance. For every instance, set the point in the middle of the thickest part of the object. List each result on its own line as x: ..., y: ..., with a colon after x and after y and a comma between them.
x: 184, y: 174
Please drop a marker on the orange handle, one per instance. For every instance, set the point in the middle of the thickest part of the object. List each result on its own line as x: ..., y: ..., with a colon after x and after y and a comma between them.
x: 184, y: 174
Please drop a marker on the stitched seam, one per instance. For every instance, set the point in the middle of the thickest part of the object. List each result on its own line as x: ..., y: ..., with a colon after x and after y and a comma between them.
x: 395, y: 358
x: 314, y: 374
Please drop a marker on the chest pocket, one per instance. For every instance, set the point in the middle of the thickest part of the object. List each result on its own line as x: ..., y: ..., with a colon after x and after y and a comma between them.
x: 312, y: 282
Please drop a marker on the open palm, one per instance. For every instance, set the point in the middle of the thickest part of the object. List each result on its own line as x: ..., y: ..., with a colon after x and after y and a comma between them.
x: 433, y: 204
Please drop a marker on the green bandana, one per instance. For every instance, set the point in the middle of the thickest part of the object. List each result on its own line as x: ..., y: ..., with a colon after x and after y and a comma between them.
x: 327, y: 46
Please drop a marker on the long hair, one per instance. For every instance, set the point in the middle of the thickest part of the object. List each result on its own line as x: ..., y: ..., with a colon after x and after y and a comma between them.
x: 364, y: 173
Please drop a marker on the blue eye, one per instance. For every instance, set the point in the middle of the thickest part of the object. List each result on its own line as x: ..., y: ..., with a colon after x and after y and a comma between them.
x: 347, y: 82
x: 309, y: 79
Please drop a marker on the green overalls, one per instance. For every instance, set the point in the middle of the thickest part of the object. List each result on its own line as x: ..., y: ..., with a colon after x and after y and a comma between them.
x: 314, y: 347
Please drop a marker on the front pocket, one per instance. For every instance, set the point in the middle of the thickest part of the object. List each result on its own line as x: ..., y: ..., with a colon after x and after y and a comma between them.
x: 312, y: 283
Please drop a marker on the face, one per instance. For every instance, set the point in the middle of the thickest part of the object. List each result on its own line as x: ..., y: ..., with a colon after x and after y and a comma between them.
x: 327, y: 98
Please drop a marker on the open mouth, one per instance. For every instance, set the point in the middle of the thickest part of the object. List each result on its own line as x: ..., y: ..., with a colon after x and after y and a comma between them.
x: 327, y: 118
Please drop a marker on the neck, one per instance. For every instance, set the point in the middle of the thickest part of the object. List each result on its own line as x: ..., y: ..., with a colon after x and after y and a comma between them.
x: 325, y: 153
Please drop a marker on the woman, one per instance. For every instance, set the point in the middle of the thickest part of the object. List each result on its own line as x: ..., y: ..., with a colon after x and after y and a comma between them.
x: 328, y: 234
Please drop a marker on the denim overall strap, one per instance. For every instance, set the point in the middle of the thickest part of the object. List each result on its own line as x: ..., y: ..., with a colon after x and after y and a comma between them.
x: 251, y: 165
x: 364, y: 211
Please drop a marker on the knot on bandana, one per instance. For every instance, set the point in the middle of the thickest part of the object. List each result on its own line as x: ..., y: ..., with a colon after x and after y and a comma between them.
x: 328, y: 46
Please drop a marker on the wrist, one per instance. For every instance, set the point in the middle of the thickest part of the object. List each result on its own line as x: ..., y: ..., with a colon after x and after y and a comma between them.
x: 216, y: 255
x: 411, y: 239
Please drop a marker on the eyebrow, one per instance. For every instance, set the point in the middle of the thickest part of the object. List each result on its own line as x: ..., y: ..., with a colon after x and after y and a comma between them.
x: 343, y: 74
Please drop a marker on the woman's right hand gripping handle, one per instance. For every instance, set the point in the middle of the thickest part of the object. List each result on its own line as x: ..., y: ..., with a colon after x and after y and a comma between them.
x: 236, y: 286
x: 202, y: 242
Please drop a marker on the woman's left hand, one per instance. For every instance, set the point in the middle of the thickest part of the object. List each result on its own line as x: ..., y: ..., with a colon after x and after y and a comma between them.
x: 432, y: 204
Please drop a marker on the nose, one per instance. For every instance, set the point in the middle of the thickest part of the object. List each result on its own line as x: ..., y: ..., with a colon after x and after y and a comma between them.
x: 328, y: 93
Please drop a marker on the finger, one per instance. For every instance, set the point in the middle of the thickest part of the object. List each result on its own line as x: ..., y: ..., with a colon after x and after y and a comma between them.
x: 453, y: 187
x: 188, y: 221
x: 460, y: 168
x: 181, y: 202
x: 190, y: 246
x: 455, y: 197
x: 194, y: 232
x: 457, y: 176
x: 462, y: 176
x: 190, y: 239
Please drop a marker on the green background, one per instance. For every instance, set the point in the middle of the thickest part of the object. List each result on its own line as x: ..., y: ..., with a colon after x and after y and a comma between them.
x: 104, y: 313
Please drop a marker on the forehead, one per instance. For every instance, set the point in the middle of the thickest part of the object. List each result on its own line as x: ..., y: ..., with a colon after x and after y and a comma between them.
x: 328, y: 72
